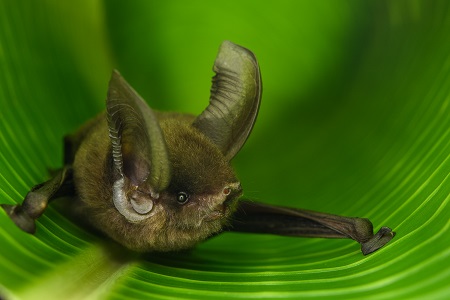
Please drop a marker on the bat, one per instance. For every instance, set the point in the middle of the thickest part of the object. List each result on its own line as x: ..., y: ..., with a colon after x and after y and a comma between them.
x: 162, y: 181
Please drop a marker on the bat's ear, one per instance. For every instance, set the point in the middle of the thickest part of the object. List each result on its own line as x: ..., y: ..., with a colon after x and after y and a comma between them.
x: 138, y: 150
x: 234, y: 101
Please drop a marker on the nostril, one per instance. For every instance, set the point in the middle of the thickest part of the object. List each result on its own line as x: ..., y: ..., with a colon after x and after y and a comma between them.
x: 232, y: 192
x: 227, y: 191
x: 233, y: 188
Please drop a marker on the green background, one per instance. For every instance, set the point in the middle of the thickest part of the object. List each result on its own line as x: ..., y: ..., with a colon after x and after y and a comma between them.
x: 355, y: 120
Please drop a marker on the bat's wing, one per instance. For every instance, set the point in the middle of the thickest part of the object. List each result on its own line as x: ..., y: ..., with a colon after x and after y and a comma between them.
x: 256, y: 217
x: 38, y: 198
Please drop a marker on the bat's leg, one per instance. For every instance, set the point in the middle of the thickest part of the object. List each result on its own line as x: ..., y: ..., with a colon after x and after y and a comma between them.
x: 263, y: 218
x: 37, y: 199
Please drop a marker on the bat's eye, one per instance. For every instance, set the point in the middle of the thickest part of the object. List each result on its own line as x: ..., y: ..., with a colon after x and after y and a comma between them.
x: 182, y: 197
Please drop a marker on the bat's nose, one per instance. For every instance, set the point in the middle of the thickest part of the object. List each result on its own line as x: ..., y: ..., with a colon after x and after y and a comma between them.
x: 232, y: 191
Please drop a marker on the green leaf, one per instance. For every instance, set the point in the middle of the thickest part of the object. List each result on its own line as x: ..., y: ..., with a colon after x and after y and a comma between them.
x: 354, y: 121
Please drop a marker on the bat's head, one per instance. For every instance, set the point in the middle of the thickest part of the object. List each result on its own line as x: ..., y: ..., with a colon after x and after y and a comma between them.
x: 173, y: 185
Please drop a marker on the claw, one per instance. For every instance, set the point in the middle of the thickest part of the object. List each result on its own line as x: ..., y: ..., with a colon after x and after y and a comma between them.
x: 378, y: 240
x: 20, y: 217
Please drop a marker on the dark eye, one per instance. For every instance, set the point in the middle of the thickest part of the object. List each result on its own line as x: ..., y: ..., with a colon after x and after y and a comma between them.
x: 182, y: 197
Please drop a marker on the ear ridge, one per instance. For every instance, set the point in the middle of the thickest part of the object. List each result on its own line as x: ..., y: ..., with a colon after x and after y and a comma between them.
x: 116, y: 118
x: 234, y: 101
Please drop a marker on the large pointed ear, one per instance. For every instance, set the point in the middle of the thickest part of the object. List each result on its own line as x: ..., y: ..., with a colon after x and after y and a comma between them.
x: 234, y: 101
x: 138, y: 149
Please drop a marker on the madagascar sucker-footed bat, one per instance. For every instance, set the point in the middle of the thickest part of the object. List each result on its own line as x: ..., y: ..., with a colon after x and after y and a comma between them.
x: 159, y: 181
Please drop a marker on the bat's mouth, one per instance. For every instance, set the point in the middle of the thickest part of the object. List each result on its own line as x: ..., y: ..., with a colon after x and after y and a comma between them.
x: 222, y: 210
x: 219, y: 212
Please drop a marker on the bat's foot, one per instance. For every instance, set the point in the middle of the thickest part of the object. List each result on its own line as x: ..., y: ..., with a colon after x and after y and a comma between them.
x: 378, y: 240
x: 20, y: 217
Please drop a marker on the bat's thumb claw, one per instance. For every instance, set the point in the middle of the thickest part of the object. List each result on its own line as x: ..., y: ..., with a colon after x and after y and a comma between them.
x: 381, y: 238
x: 20, y: 218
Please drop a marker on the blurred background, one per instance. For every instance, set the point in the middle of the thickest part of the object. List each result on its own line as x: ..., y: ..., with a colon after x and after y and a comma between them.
x: 354, y: 121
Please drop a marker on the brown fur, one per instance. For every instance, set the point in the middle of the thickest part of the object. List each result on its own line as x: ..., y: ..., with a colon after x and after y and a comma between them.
x: 197, y: 168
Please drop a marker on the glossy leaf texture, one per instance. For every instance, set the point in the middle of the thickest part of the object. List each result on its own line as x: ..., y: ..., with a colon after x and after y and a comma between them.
x: 354, y: 120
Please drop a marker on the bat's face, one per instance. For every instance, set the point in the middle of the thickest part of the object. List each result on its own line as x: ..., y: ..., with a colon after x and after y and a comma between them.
x: 197, y: 202
x: 203, y: 189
